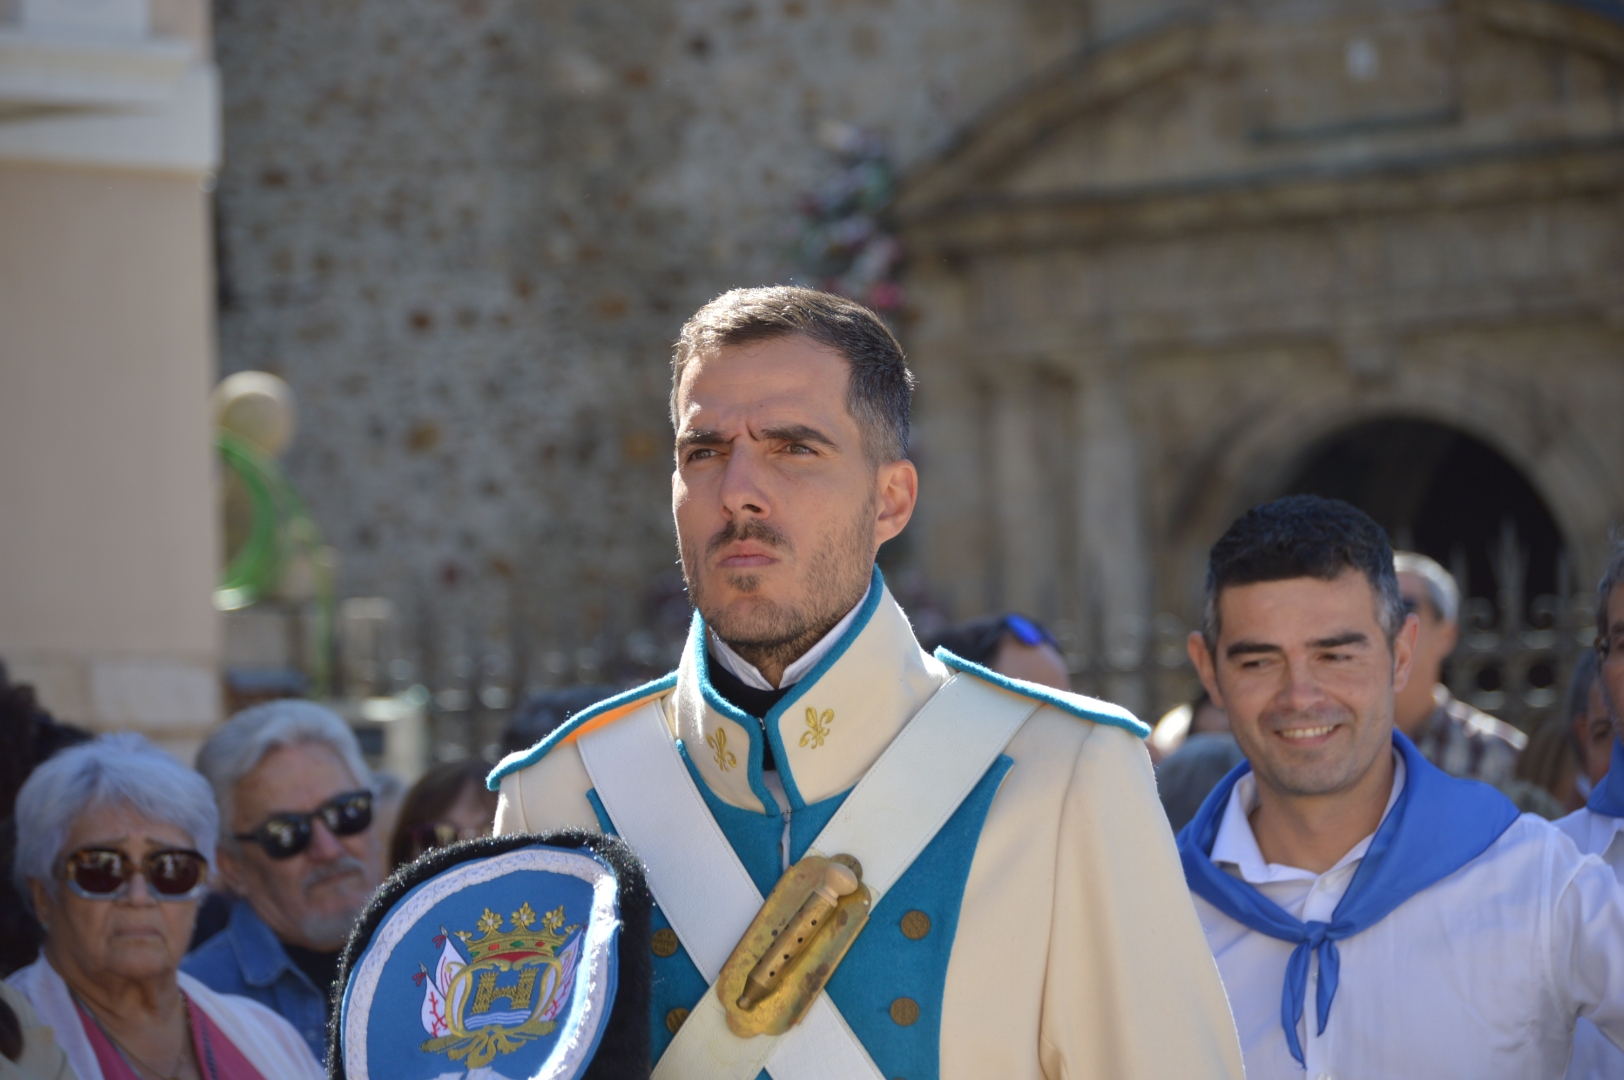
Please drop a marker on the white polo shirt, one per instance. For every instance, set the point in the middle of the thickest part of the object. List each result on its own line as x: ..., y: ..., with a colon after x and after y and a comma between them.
x: 1481, y: 976
x: 1594, y: 1057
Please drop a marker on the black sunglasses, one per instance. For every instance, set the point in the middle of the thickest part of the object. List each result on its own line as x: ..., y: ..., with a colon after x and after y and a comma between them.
x: 285, y: 835
x: 105, y: 873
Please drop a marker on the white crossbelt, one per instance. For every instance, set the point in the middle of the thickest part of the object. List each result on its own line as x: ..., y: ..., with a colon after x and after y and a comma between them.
x: 709, y: 898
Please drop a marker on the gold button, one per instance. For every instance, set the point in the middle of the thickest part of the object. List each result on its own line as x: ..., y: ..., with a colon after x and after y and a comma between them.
x: 915, y: 925
x: 674, y: 1019
x: 905, y: 1011
x: 665, y: 942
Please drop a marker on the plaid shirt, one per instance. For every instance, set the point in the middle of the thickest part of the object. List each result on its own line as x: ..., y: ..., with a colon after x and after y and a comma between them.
x: 1462, y: 741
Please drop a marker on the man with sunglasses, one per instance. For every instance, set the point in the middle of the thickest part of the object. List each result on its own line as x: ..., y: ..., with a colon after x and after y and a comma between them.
x: 297, y: 851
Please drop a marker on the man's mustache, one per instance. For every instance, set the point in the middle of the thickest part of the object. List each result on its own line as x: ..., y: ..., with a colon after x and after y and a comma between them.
x: 734, y: 531
x: 340, y: 867
x: 1279, y: 719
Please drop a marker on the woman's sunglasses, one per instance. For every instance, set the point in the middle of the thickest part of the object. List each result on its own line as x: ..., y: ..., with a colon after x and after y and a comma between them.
x: 106, y: 873
x: 285, y: 835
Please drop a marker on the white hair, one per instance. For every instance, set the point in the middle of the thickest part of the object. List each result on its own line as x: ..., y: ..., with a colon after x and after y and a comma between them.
x: 244, y: 741
x: 1442, y: 592
x: 113, y: 770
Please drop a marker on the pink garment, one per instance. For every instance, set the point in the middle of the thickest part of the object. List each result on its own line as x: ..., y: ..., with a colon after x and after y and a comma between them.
x: 208, y: 1041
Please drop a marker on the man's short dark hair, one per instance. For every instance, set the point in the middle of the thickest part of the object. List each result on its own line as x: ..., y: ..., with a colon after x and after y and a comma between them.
x: 1303, y: 536
x: 880, y: 391
x: 1611, y: 579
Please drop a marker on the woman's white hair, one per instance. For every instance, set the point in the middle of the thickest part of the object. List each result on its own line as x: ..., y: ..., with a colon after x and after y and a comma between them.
x: 114, y: 770
x: 244, y: 741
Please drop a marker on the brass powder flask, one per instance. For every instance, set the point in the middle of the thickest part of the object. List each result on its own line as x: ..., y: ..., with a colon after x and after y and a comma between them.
x: 793, y: 945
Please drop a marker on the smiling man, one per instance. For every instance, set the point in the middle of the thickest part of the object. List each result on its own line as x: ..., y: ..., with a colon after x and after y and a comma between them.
x: 1372, y: 916
x: 809, y: 767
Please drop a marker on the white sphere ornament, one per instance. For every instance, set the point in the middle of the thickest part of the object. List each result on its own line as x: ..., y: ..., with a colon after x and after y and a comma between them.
x: 256, y: 406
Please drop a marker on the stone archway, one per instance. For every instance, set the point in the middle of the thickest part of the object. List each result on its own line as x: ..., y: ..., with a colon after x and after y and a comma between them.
x: 1455, y: 497
x: 1440, y: 491
x: 1260, y: 456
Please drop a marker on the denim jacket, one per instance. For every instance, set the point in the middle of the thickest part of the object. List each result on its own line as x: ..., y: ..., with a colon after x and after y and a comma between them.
x: 246, y: 958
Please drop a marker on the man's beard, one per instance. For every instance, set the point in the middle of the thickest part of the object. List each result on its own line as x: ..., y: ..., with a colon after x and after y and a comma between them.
x: 771, y: 633
x: 332, y: 929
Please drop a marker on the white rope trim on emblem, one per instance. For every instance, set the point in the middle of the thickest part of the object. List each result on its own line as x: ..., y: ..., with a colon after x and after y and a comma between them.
x: 591, y: 977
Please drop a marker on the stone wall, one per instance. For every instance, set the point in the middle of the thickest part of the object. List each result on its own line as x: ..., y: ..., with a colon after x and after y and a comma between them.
x: 466, y: 233
x: 1209, y: 246
x: 1156, y: 251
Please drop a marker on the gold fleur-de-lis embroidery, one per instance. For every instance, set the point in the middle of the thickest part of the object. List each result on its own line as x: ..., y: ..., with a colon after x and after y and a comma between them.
x: 817, y: 727
x: 717, y: 740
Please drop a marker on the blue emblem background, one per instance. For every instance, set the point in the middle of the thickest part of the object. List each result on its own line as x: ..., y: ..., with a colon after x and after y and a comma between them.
x: 395, y: 1031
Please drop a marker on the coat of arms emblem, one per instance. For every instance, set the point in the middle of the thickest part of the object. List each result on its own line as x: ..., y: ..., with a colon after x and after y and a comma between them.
x: 500, y: 990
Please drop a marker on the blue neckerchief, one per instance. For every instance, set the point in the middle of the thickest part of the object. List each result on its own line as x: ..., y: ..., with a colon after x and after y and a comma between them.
x: 1437, y: 825
x: 1608, y: 798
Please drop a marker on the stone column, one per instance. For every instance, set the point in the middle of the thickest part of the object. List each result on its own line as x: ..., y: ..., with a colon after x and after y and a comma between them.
x: 109, y: 131
x: 1112, y: 548
x: 1023, y: 512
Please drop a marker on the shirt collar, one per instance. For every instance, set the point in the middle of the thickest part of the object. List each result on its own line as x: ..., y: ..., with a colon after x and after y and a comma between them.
x: 260, y: 955
x: 1604, y: 830
x: 1236, y: 844
x: 827, y: 729
x: 747, y: 673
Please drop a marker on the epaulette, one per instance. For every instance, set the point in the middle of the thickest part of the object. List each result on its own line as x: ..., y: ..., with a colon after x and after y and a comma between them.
x: 1085, y: 708
x: 604, y: 712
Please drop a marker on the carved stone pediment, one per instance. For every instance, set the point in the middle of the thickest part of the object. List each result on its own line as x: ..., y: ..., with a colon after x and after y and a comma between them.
x: 1266, y: 112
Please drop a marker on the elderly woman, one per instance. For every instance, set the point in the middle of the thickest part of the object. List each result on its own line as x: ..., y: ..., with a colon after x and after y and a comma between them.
x: 114, y: 843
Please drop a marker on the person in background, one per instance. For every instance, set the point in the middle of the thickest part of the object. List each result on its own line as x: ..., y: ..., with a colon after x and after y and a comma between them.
x: 1011, y: 645
x: 1197, y: 717
x: 297, y: 850
x: 214, y: 914
x: 1372, y: 916
x: 448, y: 803
x: 1590, y: 721
x: 545, y: 711
x: 1460, y: 740
x: 115, y: 840
x: 1192, y: 748
x: 1546, y: 780
x: 28, y: 736
x: 28, y: 1049
x: 1598, y: 827
x: 388, y: 800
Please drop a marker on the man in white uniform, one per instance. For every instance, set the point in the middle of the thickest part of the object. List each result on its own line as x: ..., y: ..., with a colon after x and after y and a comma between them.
x: 1036, y: 924
x: 1372, y: 917
x: 1599, y: 827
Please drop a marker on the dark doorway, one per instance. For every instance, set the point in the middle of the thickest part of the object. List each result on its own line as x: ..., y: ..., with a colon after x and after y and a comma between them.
x: 1443, y: 493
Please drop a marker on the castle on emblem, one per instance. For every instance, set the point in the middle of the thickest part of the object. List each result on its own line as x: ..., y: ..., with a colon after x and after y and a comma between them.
x: 500, y: 990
